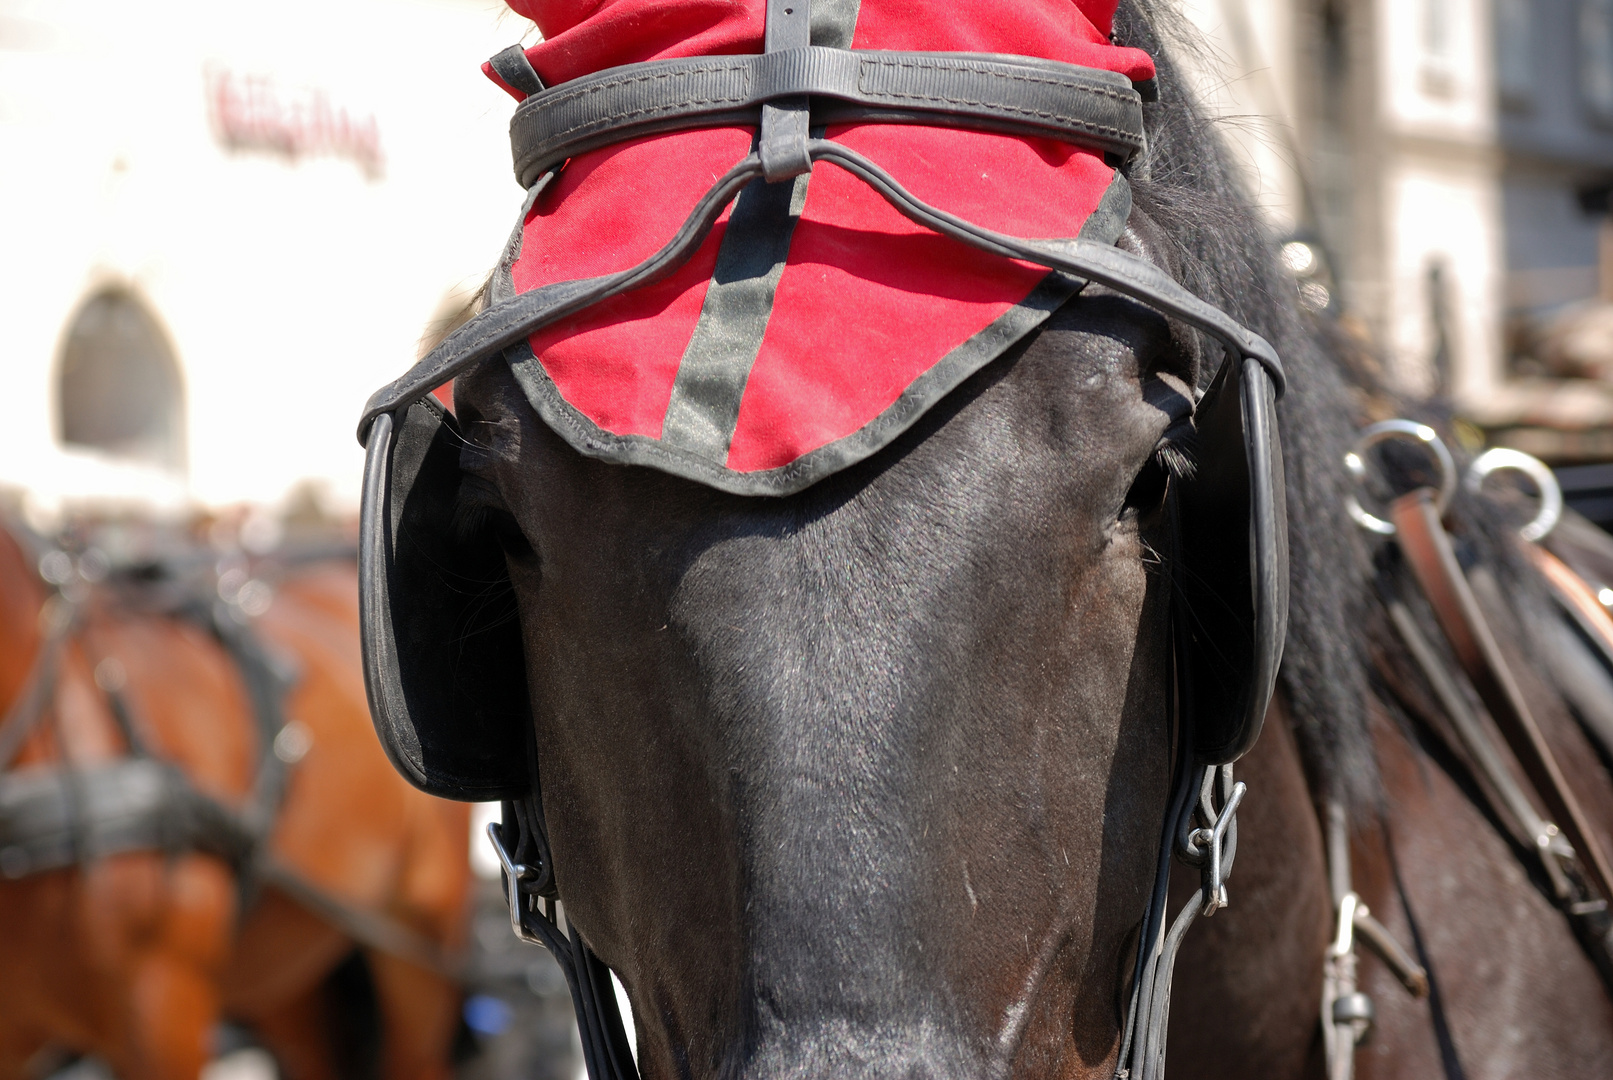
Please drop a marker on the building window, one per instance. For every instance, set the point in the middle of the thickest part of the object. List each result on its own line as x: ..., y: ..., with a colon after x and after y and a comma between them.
x: 1438, y: 48
x: 1437, y: 29
x: 1596, y: 56
x: 118, y: 385
x: 1514, y: 49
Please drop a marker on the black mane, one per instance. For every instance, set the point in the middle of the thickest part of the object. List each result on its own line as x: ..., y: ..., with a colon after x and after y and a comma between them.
x: 1227, y: 256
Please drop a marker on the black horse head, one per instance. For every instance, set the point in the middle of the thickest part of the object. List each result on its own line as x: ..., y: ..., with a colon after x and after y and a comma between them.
x: 868, y: 779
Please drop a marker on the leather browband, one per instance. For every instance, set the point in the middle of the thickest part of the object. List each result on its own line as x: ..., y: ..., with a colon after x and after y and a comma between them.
x: 1017, y: 95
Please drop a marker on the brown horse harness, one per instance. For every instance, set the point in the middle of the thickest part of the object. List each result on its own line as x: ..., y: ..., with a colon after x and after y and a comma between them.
x: 59, y: 816
x: 1531, y: 800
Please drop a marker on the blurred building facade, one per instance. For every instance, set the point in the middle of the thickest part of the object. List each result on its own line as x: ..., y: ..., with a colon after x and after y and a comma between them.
x: 223, y: 229
x: 1450, y: 164
x: 211, y: 261
x: 1368, y: 130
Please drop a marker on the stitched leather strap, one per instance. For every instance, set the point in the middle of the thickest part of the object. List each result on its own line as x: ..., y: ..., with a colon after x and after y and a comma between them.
x: 1014, y: 94
x: 1433, y: 562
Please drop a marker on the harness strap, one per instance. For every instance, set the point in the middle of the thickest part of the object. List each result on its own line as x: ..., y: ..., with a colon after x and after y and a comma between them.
x: 367, y: 927
x: 1470, y: 733
x: 1508, y: 803
x: 782, y: 139
x: 1347, y: 1013
x: 1015, y: 95
x: 1433, y: 562
x: 54, y: 817
x: 57, y: 618
x: 1576, y: 597
x: 1200, y: 830
x: 49, y: 821
x: 512, y: 66
x: 535, y: 916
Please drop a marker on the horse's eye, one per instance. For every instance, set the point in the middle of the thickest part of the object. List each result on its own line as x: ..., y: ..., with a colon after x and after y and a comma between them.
x: 1147, y: 492
x: 480, y: 510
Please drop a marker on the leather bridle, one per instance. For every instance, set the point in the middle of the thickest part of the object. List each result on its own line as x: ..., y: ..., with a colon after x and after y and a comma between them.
x: 1533, y: 802
x: 786, y: 92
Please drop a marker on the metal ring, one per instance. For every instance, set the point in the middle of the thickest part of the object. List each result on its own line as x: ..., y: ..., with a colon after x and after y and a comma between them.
x: 1551, y: 492
x: 1383, y: 431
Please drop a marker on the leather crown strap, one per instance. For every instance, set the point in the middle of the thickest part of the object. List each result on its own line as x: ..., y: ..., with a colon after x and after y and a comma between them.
x: 1016, y: 95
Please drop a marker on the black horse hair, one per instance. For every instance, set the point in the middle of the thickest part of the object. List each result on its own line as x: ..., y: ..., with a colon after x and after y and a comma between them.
x: 1225, y: 254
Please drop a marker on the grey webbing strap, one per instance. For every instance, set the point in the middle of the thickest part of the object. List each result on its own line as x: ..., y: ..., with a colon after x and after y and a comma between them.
x: 516, y: 319
x: 783, y: 141
x: 516, y: 70
x: 50, y: 819
x: 1018, y: 95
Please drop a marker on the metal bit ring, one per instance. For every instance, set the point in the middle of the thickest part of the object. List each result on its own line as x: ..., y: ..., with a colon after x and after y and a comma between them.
x: 1551, y: 493
x: 1355, y: 461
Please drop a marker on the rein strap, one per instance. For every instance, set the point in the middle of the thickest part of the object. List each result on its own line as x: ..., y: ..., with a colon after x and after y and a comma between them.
x: 1433, y: 562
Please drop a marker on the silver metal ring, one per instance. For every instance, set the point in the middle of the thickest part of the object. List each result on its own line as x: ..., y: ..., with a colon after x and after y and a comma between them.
x: 1356, y: 462
x: 1551, y: 492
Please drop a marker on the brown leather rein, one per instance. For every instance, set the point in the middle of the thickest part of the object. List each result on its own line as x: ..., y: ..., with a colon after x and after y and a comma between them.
x: 1433, y: 562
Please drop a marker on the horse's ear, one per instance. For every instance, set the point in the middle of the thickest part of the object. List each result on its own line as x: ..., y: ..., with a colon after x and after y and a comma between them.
x: 444, y: 666
x: 1232, y: 581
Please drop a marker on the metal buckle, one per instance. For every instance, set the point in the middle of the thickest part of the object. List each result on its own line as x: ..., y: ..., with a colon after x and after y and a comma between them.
x: 1344, y: 941
x: 514, y: 875
x: 1218, y: 835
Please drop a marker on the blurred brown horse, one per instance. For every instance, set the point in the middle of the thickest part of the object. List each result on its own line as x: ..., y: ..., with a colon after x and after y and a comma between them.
x: 136, y: 957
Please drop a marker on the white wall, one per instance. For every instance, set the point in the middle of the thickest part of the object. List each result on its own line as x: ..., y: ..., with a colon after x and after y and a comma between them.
x: 1451, y: 214
x: 1437, y: 171
x: 290, y: 289
x: 1442, y: 192
x: 1244, y: 74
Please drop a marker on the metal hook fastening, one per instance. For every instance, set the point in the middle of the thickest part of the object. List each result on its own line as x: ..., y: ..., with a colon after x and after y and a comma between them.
x: 1211, y: 843
x: 1501, y: 458
x: 514, y: 875
x: 1355, y: 461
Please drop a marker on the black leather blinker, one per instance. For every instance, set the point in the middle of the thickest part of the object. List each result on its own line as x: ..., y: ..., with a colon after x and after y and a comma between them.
x: 444, y: 666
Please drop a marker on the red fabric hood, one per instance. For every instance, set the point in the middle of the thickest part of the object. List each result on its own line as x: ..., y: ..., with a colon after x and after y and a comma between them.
x: 870, y: 318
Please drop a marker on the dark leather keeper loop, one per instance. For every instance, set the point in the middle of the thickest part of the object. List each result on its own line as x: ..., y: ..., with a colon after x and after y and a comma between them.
x: 516, y: 70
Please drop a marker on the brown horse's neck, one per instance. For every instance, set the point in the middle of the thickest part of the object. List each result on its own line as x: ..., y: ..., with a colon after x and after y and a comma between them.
x: 21, y: 598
